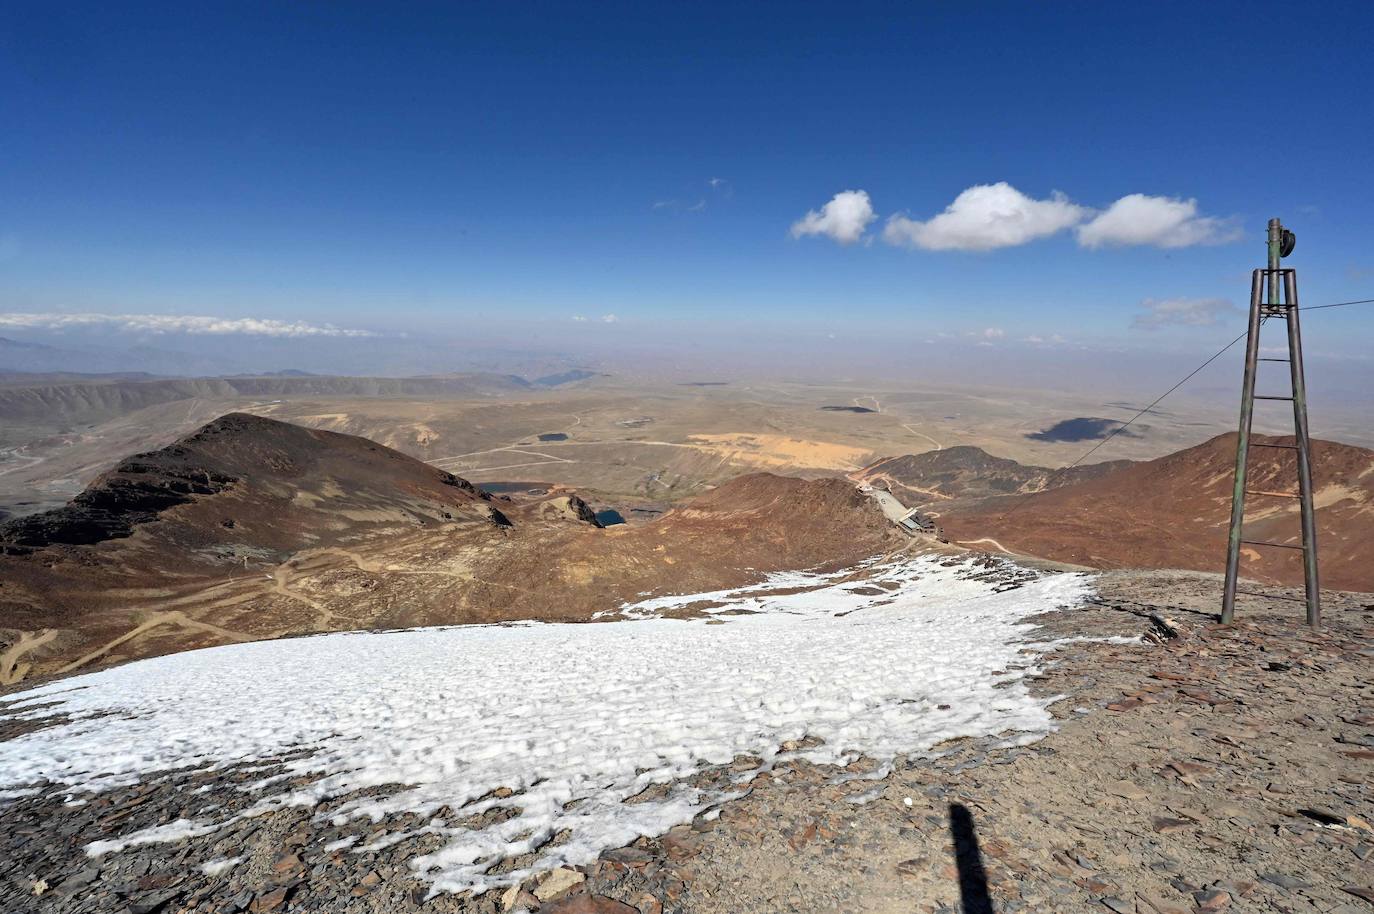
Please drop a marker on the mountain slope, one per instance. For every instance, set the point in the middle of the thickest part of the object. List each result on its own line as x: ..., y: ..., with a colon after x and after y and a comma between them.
x: 1174, y: 512
x: 278, y: 487
x: 970, y: 472
x: 254, y: 528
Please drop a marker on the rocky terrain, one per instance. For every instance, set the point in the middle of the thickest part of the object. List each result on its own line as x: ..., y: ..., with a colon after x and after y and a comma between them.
x: 1195, y: 768
x: 253, y: 528
x: 964, y: 472
x: 1174, y: 512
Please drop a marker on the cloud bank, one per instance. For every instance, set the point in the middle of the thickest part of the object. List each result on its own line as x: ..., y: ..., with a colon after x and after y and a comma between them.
x: 843, y: 220
x: 175, y: 323
x: 986, y: 217
x: 1183, y: 312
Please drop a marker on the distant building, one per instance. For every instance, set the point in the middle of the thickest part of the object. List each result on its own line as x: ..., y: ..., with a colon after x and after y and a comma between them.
x: 910, y: 520
x: 913, y: 522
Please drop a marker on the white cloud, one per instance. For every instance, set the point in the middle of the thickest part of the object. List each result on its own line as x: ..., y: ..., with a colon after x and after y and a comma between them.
x: 175, y: 323
x: 1034, y: 338
x: 844, y: 219
x: 1183, y: 312
x: 994, y: 333
x: 986, y: 217
x: 990, y: 216
x: 1164, y: 222
x: 717, y: 182
x: 609, y: 318
x: 697, y: 206
x: 580, y: 318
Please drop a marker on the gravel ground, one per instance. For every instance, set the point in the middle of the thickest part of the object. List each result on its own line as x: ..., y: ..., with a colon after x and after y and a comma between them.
x: 1200, y: 769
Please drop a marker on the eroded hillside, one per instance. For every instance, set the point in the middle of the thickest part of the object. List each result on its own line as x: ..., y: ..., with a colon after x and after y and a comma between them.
x: 1174, y: 512
x: 967, y: 472
x: 253, y: 528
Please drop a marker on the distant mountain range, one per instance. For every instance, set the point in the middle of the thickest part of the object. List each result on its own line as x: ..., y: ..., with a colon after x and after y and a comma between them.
x: 79, y: 399
x: 185, y: 355
x: 95, y: 400
x: 22, y: 356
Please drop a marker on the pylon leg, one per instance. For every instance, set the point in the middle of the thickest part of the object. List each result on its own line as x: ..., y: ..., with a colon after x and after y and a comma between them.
x: 1304, y: 445
x: 1247, y: 409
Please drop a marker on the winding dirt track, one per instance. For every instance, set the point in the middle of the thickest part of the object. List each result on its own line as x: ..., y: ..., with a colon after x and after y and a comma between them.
x: 11, y: 670
x: 171, y: 617
x: 987, y: 539
x: 938, y: 445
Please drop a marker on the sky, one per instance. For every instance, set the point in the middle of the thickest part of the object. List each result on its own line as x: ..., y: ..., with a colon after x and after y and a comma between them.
x: 1004, y: 177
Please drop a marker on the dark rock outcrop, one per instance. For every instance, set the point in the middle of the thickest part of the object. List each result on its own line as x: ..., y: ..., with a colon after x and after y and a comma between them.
x: 134, y: 493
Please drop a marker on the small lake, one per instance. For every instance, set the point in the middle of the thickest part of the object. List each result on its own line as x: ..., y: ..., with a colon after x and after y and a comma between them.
x: 503, y: 488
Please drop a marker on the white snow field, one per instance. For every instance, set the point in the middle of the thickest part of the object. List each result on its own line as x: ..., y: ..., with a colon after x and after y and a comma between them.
x: 575, y: 719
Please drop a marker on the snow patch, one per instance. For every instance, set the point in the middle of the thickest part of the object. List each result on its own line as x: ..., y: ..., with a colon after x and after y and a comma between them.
x: 571, y: 720
x: 214, y: 868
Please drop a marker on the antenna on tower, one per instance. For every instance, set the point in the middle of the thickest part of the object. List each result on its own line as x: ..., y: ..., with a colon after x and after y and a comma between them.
x: 1263, y: 307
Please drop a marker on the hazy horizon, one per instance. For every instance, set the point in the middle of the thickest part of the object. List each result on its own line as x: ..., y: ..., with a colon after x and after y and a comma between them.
x: 1008, y: 195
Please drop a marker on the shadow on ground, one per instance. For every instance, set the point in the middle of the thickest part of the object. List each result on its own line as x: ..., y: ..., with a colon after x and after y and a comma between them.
x: 968, y: 859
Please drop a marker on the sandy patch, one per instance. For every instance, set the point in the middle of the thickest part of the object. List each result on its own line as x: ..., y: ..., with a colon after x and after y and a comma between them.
x: 1327, y: 496
x: 322, y: 420
x: 775, y: 451
x: 424, y: 434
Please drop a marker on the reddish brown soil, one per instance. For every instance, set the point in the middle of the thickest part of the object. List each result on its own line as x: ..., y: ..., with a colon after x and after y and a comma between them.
x: 253, y: 528
x: 1174, y: 512
x: 965, y: 471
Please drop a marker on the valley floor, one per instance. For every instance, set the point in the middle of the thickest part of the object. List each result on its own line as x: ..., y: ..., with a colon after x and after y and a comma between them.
x: 1193, y: 768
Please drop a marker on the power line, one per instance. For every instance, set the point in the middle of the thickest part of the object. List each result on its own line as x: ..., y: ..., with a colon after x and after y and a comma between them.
x: 1339, y: 304
x: 1186, y: 378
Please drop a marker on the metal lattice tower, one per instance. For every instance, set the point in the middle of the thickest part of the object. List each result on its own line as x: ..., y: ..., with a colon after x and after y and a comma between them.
x: 1281, y: 301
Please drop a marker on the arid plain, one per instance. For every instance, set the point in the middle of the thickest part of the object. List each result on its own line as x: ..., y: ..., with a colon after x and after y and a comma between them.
x: 621, y: 442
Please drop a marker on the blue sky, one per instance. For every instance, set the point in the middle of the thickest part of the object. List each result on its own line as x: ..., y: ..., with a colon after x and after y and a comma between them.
x: 437, y: 166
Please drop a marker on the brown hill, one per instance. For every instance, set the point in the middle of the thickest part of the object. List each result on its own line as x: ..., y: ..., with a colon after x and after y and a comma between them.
x: 277, y: 488
x: 254, y: 528
x: 1174, y: 512
x: 966, y: 472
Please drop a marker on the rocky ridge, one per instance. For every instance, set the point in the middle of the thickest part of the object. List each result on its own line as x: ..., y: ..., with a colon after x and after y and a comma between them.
x: 965, y: 472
